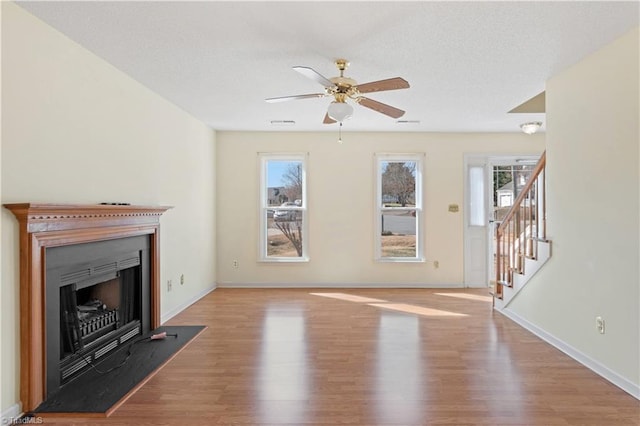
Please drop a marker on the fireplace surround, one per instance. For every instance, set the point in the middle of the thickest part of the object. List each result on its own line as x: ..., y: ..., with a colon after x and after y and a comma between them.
x: 51, y: 231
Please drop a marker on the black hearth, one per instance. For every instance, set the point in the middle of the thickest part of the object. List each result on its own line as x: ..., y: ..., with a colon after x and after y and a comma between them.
x: 97, y: 299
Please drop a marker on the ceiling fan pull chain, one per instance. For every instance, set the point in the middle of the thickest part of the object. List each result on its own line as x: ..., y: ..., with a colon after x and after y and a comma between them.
x: 340, y: 133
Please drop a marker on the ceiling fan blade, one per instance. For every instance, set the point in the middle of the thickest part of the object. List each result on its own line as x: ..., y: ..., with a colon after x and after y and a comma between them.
x: 328, y: 120
x: 380, y: 85
x: 380, y: 107
x: 290, y: 98
x: 315, y: 76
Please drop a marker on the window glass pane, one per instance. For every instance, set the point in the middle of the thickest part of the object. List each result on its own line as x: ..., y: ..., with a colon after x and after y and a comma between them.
x: 398, y: 238
x: 284, y: 233
x: 476, y: 196
x: 284, y: 182
x: 398, y: 183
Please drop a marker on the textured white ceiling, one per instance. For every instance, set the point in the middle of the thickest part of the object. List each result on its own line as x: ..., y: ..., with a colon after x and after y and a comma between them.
x: 468, y: 63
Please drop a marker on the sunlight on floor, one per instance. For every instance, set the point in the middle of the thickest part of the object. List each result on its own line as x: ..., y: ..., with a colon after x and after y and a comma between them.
x: 419, y: 310
x: 349, y: 297
x: 401, y: 307
x: 466, y: 296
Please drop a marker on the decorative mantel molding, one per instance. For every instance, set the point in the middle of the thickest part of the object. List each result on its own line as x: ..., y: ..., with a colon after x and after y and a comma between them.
x: 56, y: 217
x: 52, y: 225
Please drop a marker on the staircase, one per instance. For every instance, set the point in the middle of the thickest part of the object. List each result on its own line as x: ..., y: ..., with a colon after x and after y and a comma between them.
x: 521, y: 244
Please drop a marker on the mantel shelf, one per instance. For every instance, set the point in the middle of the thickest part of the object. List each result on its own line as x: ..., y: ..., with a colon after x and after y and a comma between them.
x: 41, y: 217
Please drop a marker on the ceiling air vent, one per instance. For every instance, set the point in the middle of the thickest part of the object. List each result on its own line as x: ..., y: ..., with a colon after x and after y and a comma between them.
x: 282, y: 122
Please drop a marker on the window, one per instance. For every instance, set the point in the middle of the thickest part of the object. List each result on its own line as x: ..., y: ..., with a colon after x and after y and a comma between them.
x: 283, y: 207
x: 476, y: 196
x: 399, y: 207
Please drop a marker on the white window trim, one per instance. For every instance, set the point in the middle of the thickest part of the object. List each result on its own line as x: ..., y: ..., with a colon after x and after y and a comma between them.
x: 419, y: 158
x: 263, y: 158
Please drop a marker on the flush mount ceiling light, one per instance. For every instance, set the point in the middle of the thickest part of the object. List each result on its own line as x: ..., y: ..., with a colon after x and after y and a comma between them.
x: 531, y: 127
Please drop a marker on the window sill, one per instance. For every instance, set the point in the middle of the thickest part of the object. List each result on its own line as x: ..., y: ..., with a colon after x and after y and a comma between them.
x: 284, y: 260
x: 400, y: 260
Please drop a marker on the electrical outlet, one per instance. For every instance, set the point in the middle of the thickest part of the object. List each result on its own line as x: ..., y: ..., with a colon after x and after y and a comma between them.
x: 182, y: 279
x: 436, y: 264
x: 600, y: 325
x: 235, y: 264
x: 169, y: 285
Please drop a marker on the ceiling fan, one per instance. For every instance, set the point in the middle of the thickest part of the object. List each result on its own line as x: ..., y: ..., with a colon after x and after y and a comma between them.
x: 343, y: 88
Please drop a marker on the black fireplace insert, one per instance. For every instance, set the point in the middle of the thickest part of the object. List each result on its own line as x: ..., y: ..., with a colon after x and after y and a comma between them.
x: 97, y: 299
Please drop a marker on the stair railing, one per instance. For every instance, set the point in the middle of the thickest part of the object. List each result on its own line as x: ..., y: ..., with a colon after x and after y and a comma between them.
x: 522, y: 228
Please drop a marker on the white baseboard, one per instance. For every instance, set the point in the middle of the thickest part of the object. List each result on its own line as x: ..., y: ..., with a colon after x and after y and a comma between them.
x: 175, y: 311
x: 336, y: 285
x: 10, y: 414
x: 621, y: 382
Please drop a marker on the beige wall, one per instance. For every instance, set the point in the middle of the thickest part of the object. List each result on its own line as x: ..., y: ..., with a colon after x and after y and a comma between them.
x: 340, y: 198
x: 2, y: 405
x: 592, y: 190
x: 75, y: 129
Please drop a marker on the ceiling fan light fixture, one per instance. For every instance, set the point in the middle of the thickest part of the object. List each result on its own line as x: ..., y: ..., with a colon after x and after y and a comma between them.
x: 531, y: 127
x: 339, y: 111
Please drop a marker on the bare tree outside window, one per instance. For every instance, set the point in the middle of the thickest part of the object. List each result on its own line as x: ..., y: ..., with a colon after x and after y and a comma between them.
x: 292, y: 230
x: 399, y: 182
x: 292, y: 181
x: 291, y: 225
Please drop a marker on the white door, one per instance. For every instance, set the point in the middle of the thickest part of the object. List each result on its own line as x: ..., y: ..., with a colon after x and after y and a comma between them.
x: 475, y: 222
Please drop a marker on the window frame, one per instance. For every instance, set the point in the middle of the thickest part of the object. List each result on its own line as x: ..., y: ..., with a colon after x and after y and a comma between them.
x: 263, y: 207
x: 419, y: 159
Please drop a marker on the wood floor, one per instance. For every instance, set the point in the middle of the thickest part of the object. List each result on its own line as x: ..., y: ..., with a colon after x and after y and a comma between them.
x: 366, y: 357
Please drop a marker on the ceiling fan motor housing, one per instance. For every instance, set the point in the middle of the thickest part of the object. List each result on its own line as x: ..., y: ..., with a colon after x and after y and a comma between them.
x: 343, y: 83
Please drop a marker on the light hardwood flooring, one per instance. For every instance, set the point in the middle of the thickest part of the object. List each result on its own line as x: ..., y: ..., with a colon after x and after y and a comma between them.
x: 367, y: 357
